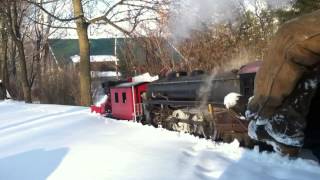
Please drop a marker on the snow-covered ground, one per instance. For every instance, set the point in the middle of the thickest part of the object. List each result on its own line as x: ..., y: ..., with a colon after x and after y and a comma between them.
x: 63, y: 142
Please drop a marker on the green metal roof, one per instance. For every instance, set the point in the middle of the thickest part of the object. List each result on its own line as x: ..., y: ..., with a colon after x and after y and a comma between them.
x: 63, y: 49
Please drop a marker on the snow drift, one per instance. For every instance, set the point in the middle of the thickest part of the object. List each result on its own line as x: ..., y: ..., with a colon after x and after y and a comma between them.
x: 63, y: 142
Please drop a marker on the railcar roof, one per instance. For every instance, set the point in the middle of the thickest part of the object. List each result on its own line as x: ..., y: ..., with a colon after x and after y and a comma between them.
x: 129, y: 84
x: 203, y: 77
x: 250, y: 68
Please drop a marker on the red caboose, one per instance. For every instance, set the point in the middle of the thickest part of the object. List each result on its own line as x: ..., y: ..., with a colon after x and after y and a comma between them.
x: 126, y: 100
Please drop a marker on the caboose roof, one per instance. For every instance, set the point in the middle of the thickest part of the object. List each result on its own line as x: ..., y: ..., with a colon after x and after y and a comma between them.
x: 129, y: 84
x: 250, y: 68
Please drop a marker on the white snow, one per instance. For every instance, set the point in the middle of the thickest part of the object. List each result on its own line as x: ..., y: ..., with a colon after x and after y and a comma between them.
x: 282, y: 137
x: 252, y: 128
x: 231, y: 100
x: 8, y: 94
x: 146, y: 77
x: 56, y: 142
x: 102, y: 100
x: 105, y: 74
x: 96, y: 58
x: 310, y: 83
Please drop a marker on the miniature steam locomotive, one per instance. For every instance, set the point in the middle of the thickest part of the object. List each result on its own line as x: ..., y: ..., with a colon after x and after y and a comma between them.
x: 195, y: 103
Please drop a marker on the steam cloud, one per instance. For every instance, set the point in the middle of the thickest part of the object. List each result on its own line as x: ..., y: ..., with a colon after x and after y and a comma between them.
x: 187, y: 15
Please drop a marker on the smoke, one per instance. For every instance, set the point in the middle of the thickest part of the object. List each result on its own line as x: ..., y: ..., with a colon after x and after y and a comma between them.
x: 188, y: 15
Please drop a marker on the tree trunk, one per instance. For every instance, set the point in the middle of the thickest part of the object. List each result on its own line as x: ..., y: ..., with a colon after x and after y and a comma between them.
x: 84, y: 48
x: 38, y: 66
x: 23, y: 75
x: 14, y: 29
x: 4, y: 57
x: 1, y: 50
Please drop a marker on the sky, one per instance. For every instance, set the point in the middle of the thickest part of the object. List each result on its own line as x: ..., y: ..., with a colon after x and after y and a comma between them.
x: 186, y: 15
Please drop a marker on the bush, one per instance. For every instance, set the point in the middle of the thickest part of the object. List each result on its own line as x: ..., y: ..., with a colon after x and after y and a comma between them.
x: 59, y: 86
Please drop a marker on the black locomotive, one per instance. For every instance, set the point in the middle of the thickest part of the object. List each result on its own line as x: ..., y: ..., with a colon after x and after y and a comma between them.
x: 194, y: 103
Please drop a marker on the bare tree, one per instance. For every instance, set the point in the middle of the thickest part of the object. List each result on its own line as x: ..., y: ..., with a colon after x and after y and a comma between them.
x: 3, y: 53
x: 123, y: 15
x: 84, y: 47
x: 151, y: 54
x: 156, y: 54
x: 13, y: 12
x: 39, y: 31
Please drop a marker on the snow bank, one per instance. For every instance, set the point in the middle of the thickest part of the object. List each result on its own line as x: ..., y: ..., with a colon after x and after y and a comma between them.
x: 146, y: 77
x: 63, y: 142
x: 96, y: 58
x: 97, y: 74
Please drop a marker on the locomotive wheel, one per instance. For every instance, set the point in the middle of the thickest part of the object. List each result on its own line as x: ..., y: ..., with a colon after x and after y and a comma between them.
x: 228, y: 138
x: 211, y: 132
x: 244, y: 139
x: 159, y: 117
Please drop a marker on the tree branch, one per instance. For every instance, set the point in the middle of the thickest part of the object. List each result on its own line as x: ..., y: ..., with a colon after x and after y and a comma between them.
x: 50, y: 25
x: 52, y: 15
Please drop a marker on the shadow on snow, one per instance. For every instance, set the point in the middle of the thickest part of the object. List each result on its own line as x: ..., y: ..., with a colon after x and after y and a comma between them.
x: 31, y: 165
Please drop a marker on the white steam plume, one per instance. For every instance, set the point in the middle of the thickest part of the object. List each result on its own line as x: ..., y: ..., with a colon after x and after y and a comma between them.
x: 187, y: 15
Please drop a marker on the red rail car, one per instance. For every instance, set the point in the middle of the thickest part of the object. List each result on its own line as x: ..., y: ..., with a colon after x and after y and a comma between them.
x: 126, y: 100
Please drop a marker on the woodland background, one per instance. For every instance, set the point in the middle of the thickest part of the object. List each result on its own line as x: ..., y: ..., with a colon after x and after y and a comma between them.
x: 29, y: 74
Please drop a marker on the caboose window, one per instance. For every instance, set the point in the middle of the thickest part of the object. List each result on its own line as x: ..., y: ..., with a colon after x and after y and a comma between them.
x: 124, y: 97
x: 116, y: 98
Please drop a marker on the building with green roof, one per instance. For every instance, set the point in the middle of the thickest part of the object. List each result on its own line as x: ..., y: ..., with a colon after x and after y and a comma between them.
x: 65, y: 51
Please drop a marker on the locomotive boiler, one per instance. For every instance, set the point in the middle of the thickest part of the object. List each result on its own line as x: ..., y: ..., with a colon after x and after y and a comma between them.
x: 194, y: 103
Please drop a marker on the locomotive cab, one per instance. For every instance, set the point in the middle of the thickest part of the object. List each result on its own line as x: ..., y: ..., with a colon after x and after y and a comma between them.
x: 247, y: 75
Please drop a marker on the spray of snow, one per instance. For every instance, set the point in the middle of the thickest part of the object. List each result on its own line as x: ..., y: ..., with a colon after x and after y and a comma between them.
x: 231, y: 100
x: 7, y: 92
x: 8, y: 95
x: 102, y: 100
x: 99, y: 96
x: 311, y: 84
x: 188, y: 15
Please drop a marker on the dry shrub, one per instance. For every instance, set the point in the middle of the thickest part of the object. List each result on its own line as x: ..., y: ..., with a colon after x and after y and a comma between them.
x: 60, y: 86
x: 145, y: 54
x: 15, y: 89
x: 223, y: 48
x: 209, y: 49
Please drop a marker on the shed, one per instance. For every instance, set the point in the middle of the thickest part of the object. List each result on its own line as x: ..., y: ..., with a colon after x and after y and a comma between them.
x: 126, y: 100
